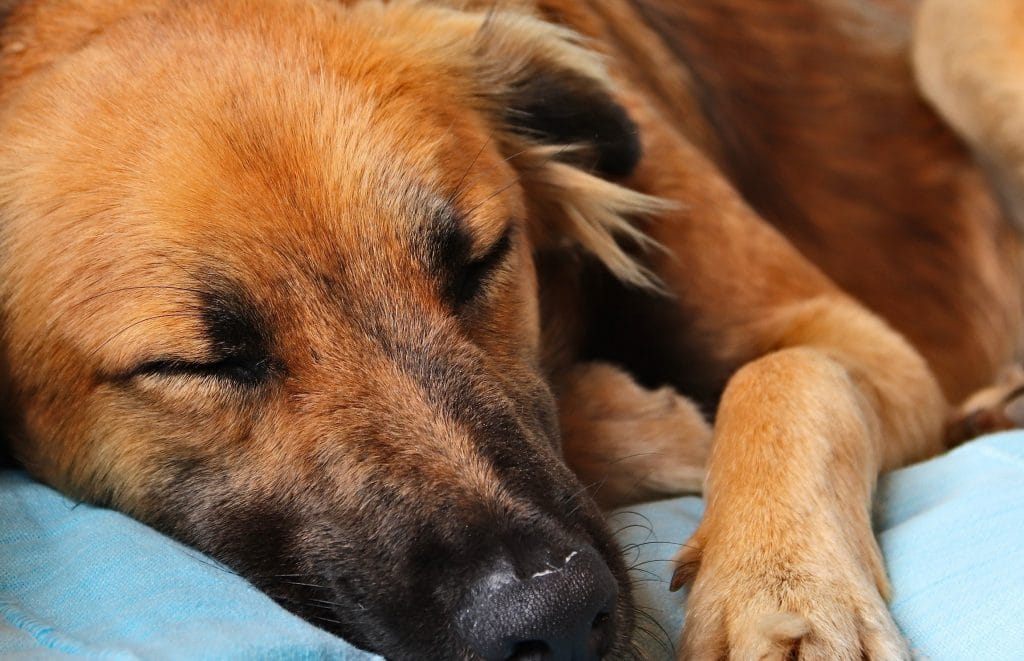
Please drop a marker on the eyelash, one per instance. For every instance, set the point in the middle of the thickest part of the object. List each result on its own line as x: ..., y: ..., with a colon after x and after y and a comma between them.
x: 471, y: 278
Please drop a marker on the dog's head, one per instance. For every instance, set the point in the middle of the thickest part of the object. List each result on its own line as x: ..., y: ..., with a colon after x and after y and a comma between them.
x: 267, y: 284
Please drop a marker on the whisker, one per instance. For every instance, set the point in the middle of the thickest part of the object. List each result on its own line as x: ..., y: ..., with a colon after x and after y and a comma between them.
x: 650, y: 524
x: 575, y: 496
x: 554, y: 155
x: 462, y: 179
x: 650, y: 573
x: 327, y: 619
x: 665, y: 640
x: 648, y: 562
x: 480, y: 172
x: 515, y: 155
x: 476, y: 207
x: 306, y: 585
x: 641, y: 629
x: 304, y: 602
x: 653, y: 579
x: 634, y: 456
x: 635, y: 546
x: 515, y: 180
x: 633, y: 525
x: 638, y: 544
x: 324, y: 602
x: 210, y: 563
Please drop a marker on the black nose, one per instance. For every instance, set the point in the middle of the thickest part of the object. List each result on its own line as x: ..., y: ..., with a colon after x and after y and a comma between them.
x: 560, y: 609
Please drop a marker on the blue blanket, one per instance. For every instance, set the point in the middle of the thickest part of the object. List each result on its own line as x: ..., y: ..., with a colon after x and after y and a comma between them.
x: 82, y: 582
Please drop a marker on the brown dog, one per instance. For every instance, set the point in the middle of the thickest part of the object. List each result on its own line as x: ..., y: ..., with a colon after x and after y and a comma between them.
x: 300, y: 282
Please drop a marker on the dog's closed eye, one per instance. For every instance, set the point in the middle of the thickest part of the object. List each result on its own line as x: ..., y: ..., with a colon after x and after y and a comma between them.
x: 238, y: 350
x: 239, y: 370
x: 468, y: 280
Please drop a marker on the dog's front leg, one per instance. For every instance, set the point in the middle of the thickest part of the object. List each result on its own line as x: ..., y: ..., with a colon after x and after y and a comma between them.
x: 785, y: 561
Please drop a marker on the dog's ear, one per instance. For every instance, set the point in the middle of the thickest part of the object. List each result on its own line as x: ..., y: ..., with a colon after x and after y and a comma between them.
x: 548, y: 88
x: 555, y: 105
x: 562, y: 128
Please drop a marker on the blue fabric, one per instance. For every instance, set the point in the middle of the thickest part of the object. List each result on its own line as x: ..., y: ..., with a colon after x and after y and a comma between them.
x: 83, y: 582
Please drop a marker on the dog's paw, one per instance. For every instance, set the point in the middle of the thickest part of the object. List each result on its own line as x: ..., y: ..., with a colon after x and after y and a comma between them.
x: 811, y: 600
x: 631, y: 443
x: 996, y: 408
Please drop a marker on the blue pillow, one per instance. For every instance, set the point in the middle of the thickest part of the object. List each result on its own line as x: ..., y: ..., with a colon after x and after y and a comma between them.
x: 83, y: 582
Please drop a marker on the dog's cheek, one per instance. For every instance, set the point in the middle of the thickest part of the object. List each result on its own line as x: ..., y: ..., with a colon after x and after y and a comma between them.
x: 325, y: 565
x: 208, y: 504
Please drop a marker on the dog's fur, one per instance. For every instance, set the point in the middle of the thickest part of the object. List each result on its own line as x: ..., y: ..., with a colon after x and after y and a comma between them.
x: 300, y: 282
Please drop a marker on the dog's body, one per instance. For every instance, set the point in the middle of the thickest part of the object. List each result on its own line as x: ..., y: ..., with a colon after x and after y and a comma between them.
x: 270, y: 273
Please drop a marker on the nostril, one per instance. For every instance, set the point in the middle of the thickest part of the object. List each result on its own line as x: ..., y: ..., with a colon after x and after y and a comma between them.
x: 531, y: 650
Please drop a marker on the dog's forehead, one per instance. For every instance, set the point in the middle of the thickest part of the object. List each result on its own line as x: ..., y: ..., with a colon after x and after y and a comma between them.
x: 362, y: 217
x: 340, y: 168
x: 326, y: 113
x: 278, y: 158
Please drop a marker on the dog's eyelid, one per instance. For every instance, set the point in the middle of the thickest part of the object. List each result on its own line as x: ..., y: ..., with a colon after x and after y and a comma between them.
x: 496, y: 250
x: 234, y: 369
x: 475, y: 272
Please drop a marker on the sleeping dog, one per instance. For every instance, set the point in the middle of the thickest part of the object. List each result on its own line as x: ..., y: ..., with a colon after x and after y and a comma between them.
x: 378, y: 303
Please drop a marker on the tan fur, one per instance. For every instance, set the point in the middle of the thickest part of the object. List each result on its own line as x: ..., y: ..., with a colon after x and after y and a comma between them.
x: 629, y: 444
x: 967, y: 58
x: 830, y: 278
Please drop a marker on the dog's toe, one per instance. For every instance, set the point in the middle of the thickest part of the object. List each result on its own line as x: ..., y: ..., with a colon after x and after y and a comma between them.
x: 996, y: 408
x: 808, y: 602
